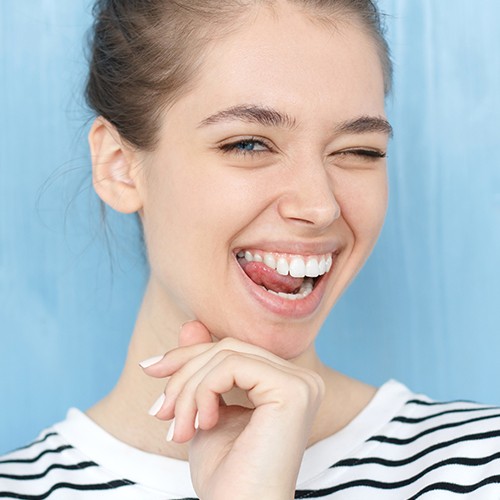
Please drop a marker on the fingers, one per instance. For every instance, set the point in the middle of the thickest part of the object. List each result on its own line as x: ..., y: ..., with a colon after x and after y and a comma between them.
x: 177, y: 358
x: 193, y: 333
x: 188, y: 394
x: 201, y: 372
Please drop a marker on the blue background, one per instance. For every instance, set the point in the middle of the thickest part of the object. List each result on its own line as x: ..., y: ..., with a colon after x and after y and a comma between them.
x: 425, y: 309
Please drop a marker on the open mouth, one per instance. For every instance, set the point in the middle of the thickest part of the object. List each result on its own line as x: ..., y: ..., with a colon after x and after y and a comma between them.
x: 292, y: 277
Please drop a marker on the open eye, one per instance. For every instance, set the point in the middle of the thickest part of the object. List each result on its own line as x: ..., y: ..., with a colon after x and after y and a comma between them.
x: 245, y: 147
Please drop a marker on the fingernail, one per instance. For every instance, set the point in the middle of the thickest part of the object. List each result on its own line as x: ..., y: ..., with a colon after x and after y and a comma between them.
x: 157, y: 405
x: 171, y: 430
x: 150, y: 361
x: 197, y: 420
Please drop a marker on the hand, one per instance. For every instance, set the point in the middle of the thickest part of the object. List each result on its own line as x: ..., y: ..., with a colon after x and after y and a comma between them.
x: 238, y: 453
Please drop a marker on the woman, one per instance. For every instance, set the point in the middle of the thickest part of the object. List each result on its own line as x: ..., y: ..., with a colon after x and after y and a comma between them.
x: 250, y: 137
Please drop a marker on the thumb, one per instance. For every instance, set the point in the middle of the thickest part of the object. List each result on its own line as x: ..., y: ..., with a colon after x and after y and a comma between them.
x: 194, y: 332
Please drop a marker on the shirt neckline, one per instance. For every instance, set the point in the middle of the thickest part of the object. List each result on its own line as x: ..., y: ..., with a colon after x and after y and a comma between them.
x: 385, y: 404
x: 123, y: 460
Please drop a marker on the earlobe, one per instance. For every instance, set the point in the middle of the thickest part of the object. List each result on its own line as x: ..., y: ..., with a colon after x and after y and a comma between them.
x: 113, y: 168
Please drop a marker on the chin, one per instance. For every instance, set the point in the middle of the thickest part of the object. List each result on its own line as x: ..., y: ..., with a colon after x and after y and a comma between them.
x: 286, y: 340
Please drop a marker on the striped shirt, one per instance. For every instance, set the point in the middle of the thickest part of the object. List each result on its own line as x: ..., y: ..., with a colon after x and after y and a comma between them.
x: 401, y: 446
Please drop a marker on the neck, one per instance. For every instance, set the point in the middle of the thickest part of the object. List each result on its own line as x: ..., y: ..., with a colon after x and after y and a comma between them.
x: 124, y: 411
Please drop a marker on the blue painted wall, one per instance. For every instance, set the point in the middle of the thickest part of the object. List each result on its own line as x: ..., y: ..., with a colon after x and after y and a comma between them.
x: 425, y: 309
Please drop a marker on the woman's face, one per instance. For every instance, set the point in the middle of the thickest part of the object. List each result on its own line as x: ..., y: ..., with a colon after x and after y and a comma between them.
x: 273, y: 159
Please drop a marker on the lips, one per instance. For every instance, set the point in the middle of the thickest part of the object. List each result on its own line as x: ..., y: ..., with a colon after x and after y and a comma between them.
x: 287, y: 284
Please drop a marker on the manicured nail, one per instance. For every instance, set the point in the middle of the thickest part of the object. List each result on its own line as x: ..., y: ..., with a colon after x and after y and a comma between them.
x: 157, y: 405
x: 150, y: 361
x: 197, y: 421
x: 171, y: 430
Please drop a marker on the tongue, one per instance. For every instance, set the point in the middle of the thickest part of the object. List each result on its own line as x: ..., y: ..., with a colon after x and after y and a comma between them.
x: 261, y: 274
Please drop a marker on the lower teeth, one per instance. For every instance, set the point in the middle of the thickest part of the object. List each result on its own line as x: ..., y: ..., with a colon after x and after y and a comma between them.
x: 305, y: 289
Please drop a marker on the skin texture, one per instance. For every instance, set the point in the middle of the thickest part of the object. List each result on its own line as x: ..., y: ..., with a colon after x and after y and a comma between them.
x: 303, y: 189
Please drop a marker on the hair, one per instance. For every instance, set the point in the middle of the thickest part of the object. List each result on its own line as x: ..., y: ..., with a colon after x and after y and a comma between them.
x: 145, y: 53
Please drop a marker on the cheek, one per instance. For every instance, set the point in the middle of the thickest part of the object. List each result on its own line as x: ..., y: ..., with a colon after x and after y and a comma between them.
x: 362, y: 196
x: 193, y: 212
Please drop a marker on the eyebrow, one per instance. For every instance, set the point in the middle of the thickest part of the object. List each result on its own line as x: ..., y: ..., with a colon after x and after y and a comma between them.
x: 251, y: 114
x: 365, y: 125
x: 270, y: 117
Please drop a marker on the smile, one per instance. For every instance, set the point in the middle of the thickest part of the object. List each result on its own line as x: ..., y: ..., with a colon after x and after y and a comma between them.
x: 297, y: 266
x: 290, y: 277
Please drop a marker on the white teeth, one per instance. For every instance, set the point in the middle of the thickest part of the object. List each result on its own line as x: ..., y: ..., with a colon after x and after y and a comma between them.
x: 305, y: 289
x: 282, y: 266
x: 307, y: 285
x: 329, y: 263
x: 312, y: 268
x: 269, y: 261
x: 322, y: 266
x: 297, y: 268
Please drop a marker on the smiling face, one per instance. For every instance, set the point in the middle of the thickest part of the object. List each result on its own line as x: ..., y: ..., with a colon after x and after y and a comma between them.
x: 271, y: 164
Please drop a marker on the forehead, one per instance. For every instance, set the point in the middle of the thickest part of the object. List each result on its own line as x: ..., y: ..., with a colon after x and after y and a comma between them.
x: 287, y: 60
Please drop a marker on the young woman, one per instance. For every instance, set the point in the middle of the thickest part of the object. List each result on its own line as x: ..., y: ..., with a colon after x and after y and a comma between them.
x: 250, y: 137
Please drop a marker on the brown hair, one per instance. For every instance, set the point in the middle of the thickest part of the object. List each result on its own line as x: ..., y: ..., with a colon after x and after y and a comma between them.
x: 144, y: 53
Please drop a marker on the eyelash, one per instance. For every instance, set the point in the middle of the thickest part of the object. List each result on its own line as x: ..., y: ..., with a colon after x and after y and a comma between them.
x: 368, y: 154
x: 233, y: 147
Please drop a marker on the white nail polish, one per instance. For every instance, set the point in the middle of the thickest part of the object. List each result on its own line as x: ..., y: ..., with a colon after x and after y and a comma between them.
x: 197, y: 421
x: 171, y: 430
x: 157, y: 405
x: 150, y: 361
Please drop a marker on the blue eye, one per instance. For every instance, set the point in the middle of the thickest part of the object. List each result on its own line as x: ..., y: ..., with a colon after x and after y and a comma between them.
x: 245, y: 146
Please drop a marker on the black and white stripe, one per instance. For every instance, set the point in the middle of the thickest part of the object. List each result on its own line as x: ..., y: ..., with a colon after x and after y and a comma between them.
x: 417, y: 449
x: 47, y: 468
x: 429, y: 450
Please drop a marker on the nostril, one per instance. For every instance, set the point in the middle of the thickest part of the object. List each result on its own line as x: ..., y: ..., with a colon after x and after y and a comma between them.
x: 301, y: 220
x: 312, y: 210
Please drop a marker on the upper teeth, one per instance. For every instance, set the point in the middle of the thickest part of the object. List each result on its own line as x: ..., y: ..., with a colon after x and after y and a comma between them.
x: 296, y: 266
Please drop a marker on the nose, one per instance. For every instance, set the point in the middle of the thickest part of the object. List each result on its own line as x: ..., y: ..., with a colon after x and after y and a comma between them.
x: 308, y: 197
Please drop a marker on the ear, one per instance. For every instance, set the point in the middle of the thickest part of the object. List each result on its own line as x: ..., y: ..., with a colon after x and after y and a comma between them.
x: 114, y: 169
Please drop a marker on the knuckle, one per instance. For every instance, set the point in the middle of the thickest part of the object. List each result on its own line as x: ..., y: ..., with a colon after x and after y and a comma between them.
x: 229, y: 343
x: 224, y: 354
x: 317, y: 388
x: 302, y: 390
x: 310, y: 387
x: 174, y: 386
x: 319, y: 384
x: 203, y: 391
x: 223, y: 358
x: 227, y: 362
x: 180, y: 402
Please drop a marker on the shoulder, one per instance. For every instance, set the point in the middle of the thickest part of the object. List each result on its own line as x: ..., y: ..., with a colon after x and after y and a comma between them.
x: 450, y: 425
x: 50, y: 466
x: 409, y: 446
x: 75, y: 458
x: 434, y: 448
